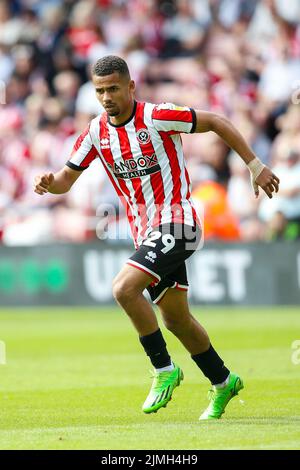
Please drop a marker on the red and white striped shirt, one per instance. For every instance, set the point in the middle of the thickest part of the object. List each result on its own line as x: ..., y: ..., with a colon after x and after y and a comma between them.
x: 144, y: 160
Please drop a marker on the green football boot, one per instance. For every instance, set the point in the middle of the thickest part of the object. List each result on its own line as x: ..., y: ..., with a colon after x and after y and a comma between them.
x: 219, y: 398
x: 162, y: 388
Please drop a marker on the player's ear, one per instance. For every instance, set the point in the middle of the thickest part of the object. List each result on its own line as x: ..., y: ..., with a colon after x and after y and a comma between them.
x: 132, y: 86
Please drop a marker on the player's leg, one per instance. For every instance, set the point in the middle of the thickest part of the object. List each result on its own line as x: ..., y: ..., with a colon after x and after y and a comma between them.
x: 176, y: 315
x: 128, y: 289
x: 178, y: 319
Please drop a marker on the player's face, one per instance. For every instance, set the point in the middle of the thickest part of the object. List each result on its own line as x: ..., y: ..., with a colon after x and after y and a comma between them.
x: 115, y: 93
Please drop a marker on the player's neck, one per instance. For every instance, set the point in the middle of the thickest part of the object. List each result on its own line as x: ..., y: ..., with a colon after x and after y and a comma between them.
x: 122, y: 119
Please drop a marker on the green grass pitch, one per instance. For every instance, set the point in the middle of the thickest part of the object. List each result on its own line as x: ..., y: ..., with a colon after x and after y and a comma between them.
x: 76, y: 379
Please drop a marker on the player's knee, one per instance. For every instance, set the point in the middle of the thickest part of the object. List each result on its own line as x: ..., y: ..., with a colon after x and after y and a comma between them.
x: 123, y: 291
x: 178, y: 324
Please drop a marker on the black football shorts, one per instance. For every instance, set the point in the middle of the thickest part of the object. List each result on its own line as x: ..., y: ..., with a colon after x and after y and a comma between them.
x: 162, y: 255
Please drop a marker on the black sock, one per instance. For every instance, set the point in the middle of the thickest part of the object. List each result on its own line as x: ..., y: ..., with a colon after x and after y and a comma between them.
x: 212, y: 366
x: 155, y: 348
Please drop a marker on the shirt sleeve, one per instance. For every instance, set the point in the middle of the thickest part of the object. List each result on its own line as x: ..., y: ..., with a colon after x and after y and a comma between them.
x: 83, y: 153
x: 167, y: 117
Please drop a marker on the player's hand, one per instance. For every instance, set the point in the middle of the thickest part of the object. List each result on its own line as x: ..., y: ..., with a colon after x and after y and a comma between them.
x: 42, y: 183
x: 267, y: 181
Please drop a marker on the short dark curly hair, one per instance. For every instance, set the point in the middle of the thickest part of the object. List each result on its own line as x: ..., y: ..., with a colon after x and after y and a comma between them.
x: 110, y: 64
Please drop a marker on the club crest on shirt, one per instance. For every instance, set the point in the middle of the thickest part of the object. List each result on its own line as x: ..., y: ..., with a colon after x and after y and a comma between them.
x: 143, y: 136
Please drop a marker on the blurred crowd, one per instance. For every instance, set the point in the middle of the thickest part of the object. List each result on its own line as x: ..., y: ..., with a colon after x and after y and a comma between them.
x: 240, y: 58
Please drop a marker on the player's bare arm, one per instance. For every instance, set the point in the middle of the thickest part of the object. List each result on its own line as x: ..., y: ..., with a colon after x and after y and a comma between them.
x: 261, y: 175
x: 58, y: 183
